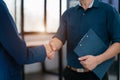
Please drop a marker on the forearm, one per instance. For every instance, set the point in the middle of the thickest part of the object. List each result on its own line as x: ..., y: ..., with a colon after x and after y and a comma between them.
x: 112, y: 51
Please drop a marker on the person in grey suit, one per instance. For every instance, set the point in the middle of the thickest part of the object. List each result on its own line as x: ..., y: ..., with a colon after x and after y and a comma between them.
x: 104, y: 20
x: 13, y: 50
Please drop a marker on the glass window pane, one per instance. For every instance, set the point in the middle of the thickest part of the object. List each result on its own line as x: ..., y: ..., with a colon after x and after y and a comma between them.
x: 34, y: 14
x: 53, y: 11
x: 10, y: 4
x: 52, y: 15
x: 64, y: 5
x: 72, y: 3
x: 18, y: 15
x: 114, y: 3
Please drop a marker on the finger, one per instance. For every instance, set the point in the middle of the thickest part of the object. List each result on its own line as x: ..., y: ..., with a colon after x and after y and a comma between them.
x: 51, y: 56
x: 49, y: 51
x: 88, y: 68
x: 52, y: 45
x: 83, y: 58
x: 83, y: 64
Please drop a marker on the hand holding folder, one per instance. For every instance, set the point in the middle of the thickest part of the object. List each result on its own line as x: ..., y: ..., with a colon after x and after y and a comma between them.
x: 92, y: 44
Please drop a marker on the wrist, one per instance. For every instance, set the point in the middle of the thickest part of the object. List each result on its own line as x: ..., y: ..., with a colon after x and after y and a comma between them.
x: 100, y: 59
x: 57, y: 43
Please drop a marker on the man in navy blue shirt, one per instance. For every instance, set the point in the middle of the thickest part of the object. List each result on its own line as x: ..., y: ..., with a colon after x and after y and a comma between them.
x: 75, y: 22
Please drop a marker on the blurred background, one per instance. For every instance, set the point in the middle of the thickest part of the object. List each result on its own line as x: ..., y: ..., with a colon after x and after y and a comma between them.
x: 37, y: 21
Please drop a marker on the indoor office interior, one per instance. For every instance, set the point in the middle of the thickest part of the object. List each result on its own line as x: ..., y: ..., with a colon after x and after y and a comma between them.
x: 37, y: 21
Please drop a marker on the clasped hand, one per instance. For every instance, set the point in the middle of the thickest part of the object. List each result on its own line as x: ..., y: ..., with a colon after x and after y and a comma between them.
x: 54, y: 45
x: 50, y: 53
x: 89, y: 62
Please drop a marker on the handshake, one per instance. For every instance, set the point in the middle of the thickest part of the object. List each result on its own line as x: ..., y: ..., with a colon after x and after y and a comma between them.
x: 89, y: 62
x: 54, y: 45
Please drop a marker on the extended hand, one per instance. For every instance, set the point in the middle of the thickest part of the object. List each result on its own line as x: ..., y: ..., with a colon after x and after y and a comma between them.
x: 89, y: 62
x: 50, y: 53
x: 55, y: 44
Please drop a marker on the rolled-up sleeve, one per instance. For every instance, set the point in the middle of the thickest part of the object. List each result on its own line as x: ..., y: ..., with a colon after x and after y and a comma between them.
x: 114, y: 26
x: 62, y: 30
x: 13, y: 44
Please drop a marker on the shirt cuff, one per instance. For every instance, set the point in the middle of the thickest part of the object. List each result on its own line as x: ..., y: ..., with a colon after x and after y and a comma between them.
x: 60, y: 38
x: 41, y: 54
x: 116, y: 40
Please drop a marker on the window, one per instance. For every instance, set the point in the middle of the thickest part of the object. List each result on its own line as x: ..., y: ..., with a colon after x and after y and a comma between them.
x: 11, y: 7
x: 14, y: 8
x: 72, y: 3
x: 52, y: 15
x: 114, y: 3
x: 34, y: 15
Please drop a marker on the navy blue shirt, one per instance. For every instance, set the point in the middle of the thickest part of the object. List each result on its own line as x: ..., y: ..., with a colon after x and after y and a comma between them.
x: 76, y: 21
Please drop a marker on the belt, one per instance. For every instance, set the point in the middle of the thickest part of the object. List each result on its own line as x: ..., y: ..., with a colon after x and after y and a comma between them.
x: 77, y: 69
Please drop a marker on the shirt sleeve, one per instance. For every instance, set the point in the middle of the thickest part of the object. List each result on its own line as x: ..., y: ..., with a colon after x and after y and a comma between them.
x: 13, y: 44
x: 114, y: 26
x: 62, y: 30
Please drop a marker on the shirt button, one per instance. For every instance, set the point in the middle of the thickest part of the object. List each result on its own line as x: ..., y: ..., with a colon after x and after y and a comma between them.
x: 83, y: 14
x: 80, y: 44
x: 87, y: 36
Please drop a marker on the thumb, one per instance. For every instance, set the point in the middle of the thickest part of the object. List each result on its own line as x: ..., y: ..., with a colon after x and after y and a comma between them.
x: 83, y: 58
x: 52, y: 45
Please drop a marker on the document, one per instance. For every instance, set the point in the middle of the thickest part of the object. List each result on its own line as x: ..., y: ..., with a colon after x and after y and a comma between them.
x: 92, y: 44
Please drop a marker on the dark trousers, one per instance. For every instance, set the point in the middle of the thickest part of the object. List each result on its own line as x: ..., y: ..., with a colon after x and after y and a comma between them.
x: 72, y: 75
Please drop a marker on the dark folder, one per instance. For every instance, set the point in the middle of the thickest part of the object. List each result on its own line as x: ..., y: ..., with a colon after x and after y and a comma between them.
x: 92, y: 44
